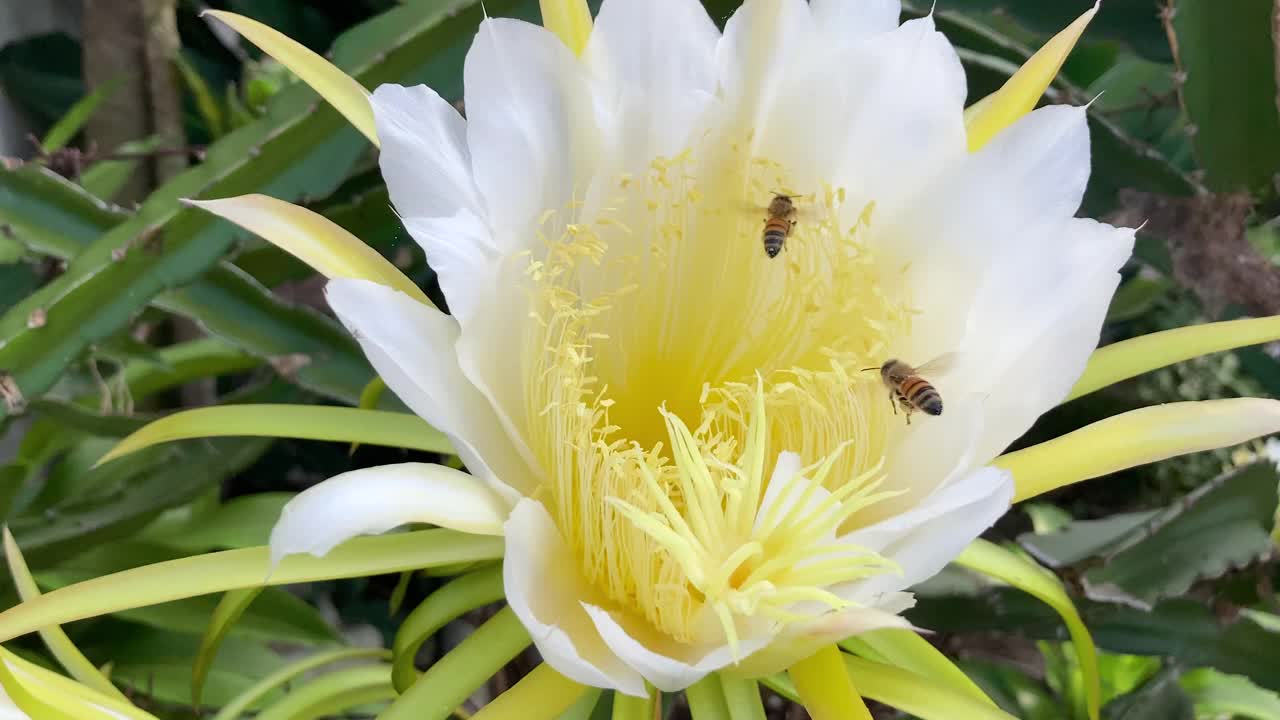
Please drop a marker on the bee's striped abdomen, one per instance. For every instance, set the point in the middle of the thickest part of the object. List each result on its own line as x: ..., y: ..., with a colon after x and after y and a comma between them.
x: 775, y: 235
x: 921, y: 394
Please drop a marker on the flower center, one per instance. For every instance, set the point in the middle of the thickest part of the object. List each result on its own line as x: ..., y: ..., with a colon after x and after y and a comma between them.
x: 671, y: 360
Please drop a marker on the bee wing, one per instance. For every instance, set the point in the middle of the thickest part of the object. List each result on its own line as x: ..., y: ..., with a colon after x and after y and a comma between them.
x: 940, y: 365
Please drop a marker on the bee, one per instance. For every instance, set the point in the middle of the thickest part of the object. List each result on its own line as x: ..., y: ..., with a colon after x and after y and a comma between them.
x: 910, y: 391
x: 778, y: 224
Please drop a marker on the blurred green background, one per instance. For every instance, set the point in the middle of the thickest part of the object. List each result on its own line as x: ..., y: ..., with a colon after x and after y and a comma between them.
x: 116, y: 304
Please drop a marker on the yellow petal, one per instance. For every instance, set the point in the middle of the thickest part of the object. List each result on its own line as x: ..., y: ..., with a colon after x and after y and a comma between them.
x: 907, y: 650
x: 991, y: 559
x: 1128, y: 358
x: 313, y: 239
x: 1136, y: 438
x: 570, y: 20
x: 63, y: 650
x: 825, y: 688
x: 997, y: 111
x: 46, y: 695
x: 341, y: 90
x: 308, y: 422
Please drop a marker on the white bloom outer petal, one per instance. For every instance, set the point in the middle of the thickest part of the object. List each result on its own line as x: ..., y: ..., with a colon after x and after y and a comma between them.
x: 929, y: 453
x: 663, y: 670
x: 904, y: 121
x: 374, y: 500
x: 655, y: 60
x: 545, y: 590
x: 424, y: 157
x: 927, y: 537
x: 994, y: 219
x: 530, y: 128
x: 455, y: 247
x: 762, y: 43
x: 846, y: 21
x: 412, y: 348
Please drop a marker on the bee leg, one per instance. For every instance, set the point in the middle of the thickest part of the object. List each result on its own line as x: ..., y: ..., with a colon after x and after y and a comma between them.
x: 893, y: 401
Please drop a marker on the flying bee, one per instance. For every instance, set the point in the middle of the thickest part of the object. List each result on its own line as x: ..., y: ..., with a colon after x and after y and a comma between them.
x: 909, y: 390
x: 778, y: 223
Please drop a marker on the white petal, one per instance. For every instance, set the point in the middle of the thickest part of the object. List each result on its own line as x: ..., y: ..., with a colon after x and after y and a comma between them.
x: 673, y: 670
x: 1058, y: 320
x: 927, y: 537
x: 656, y: 63
x: 928, y: 453
x: 457, y: 250
x: 545, y: 590
x: 424, y: 156
x: 762, y: 42
x: 530, y: 125
x: 412, y: 348
x: 995, y: 215
x: 374, y: 500
x: 905, y: 119
x: 847, y: 21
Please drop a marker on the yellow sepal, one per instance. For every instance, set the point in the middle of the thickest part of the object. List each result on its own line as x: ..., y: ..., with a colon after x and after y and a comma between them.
x: 1128, y: 358
x: 313, y: 239
x: 986, y: 118
x: 570, y: 20
x: 338, y: 88
x: 826, y: 689
x: 1136, y: 438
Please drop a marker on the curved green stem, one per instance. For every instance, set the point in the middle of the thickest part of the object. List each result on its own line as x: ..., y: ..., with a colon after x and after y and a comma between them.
x: 242, y: 702
x: 465, y: 594
x: 454, y: 677
x: 742, y: 697
x: 707, y: 701
x: 543, y: 694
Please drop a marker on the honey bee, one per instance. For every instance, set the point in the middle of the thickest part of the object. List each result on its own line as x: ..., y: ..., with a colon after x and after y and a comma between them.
x: 909, y: 390
x: 778, y: 224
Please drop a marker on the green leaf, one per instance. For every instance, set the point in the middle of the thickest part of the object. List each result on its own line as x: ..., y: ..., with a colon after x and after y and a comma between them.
x: 1015, y: 692
x: 51, y: 216
x: 1229, y: 92
x: 1185, y: 630
x: 248, y: 567
x: 104, y: 178
x: 454, y: 677
x: 333, y: 694
x: 241, y: 522
x: 277, y: 616
x: 308, y: 422
x: 1161, y: 698
x: 1137, y: 297
x: 1222, y: 526
x: 125, y: 496
x: 252, y: 696
x: 462, y: 595
x: 1083, y: 539
x: 299, y: 147
x: 70, y: 124
x: 229, y: 609
x: 66, y: 653
x: 206, y: 103
x: 993, y: 560
x: 1217, y: 694
x: 156, y: 664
